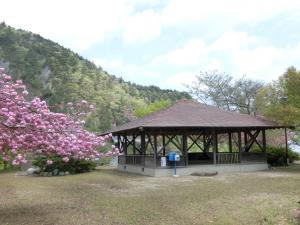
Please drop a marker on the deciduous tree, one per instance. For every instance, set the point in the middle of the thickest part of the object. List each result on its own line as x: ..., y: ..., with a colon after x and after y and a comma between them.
x: 30, y: 127
x: 223, y: 91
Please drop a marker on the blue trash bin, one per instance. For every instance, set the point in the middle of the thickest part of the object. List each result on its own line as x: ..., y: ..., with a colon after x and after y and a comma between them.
x: 173, y: 157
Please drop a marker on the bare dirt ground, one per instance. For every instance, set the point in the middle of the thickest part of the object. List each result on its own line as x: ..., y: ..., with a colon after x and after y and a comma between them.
x: 110, y: 197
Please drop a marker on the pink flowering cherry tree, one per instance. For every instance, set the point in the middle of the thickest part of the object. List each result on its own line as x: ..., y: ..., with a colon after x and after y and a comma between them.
x: 30, y: 127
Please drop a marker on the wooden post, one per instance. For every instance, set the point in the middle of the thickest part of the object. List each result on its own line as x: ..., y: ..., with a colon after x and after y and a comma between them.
x: 164, y: 142
x: 133, y: 141
x: 125, y: 147
x: 125, y: 144
x: 143, y: 146
x: 184, y: 148
x: 286, y: 147
x: 239, y: 141
x: 204, y: 142
x: 245, y: 138
x: 119, y: 143
x: 240, y: 144
x: 215, y: 145
x: 119, y: 147
x: 229, y: 141
x: 155, y: 150
x: 264, y: 143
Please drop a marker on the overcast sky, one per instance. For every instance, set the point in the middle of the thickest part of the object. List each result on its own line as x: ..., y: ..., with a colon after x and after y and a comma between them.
x: 167, y: 42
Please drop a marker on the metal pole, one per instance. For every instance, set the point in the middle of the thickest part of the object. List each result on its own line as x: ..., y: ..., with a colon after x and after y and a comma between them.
x: 174, y: 168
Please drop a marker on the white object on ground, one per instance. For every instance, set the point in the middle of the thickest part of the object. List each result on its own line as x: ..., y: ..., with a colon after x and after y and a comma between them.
x: 32, y: 171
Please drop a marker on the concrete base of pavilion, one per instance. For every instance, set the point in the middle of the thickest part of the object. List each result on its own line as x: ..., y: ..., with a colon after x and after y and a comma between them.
x: 186, y: 171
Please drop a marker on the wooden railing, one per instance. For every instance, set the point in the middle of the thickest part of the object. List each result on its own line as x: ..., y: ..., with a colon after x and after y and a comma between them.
x: 253, y: 157
x: 200, y: 158
x: 243, y: 157
x: 141, y: 160
x: 148, y: 161
x: 228, y: 157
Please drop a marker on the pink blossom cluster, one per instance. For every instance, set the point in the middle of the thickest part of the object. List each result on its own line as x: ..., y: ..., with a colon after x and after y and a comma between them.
x: 29, y: 126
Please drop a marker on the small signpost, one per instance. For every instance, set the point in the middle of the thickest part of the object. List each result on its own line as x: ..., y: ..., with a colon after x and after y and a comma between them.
x: 173, y: 157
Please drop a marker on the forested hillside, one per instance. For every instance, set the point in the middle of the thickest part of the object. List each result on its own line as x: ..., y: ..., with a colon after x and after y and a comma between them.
x: 58, y: 75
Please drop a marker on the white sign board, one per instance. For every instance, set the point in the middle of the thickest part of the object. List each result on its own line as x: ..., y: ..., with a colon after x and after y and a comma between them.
x: 163, y: 161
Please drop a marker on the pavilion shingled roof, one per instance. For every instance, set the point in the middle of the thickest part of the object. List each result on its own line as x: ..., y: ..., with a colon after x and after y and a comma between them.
x: 189, y: 113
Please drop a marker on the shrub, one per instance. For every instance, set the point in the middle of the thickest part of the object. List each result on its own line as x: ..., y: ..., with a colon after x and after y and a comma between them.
x: 105, y: 161
x: 73, y: 166
x: 5, y: 166
x: 276, y: 155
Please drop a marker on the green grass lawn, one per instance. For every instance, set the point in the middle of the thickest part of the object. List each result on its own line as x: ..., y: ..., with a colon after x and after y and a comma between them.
x: 109, y: 197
